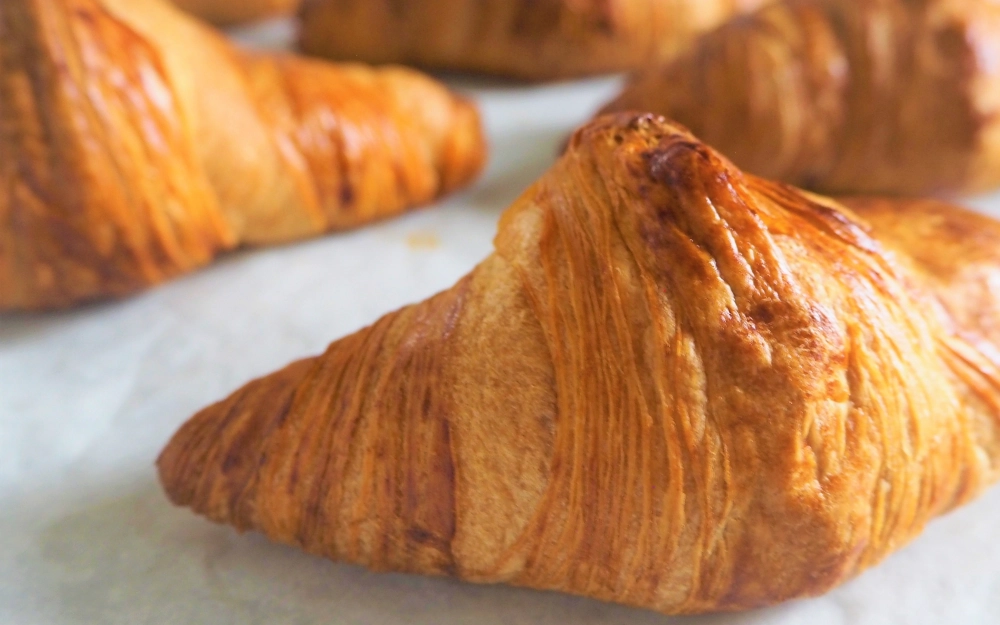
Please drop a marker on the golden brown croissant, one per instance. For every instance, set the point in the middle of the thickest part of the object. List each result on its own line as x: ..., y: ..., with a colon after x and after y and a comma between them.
x: 136, y: 144
x: 845, y: 96
x: 672, y: 385
x: 532, y: 39
x: 227, y: 12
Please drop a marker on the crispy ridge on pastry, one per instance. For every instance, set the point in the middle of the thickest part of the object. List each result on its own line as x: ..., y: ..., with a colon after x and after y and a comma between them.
x: 531, y: 39
x: 136, y: 144
x: 897, y: 97
x: 672, y: 385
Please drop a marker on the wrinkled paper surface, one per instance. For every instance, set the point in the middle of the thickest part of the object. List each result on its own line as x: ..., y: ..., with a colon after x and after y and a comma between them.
x: 89, y: 397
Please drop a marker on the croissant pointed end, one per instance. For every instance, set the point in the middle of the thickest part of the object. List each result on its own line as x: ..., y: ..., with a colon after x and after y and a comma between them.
x: 211, y: 462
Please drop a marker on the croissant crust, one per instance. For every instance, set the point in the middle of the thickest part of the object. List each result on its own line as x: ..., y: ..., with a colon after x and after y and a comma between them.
x: 672, y: 385
x: 136, y: 144
x: 897, y: 97
x: 529, y: 39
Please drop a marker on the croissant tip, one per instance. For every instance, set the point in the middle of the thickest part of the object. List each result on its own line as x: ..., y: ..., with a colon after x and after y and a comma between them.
x: 210, y: 464
x: 172, y: 465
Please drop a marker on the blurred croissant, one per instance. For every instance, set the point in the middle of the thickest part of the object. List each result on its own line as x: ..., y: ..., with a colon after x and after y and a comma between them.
x: 895, y: 97
x: 529, y: 39
x: 230, y: 12
x: 673, y: 385
x: 136, y: 144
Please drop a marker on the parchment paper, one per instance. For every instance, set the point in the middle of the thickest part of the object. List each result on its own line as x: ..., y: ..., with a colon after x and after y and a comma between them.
x: 89, y: 397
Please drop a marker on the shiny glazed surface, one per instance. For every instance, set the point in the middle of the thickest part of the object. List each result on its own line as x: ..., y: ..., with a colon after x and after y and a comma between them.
x: 136, y: 144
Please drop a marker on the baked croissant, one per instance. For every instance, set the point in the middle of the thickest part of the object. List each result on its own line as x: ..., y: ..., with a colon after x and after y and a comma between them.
x: 229, y: 12
x: 529, y: 39
x: 136, y: 144
x: 845, y: 96
x: 673, y: 385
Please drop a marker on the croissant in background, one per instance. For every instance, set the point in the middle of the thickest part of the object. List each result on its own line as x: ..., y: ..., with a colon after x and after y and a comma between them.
x: 672, y: 385
x: 136, y: 144
x: 845, y: 96
x: 230, y: 12
x: 530, y: 39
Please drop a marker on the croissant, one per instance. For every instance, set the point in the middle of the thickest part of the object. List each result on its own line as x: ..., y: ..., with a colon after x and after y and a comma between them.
x: 230, y: 12
x: 896, y: 97
x: 528, y: 39
x: 136, y: 144
x: 672, y: 385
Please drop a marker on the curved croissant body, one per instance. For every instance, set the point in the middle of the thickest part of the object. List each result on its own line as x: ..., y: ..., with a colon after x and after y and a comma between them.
x: 226, y: 12
x: 672, y: 385
x: 533, y: 39
x: 135, y: 145
x: 845, y: 96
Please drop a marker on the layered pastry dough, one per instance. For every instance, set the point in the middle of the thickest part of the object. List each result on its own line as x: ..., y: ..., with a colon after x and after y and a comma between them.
x: 672, y: 385
x: 136, y: 144
x: 845, y: 96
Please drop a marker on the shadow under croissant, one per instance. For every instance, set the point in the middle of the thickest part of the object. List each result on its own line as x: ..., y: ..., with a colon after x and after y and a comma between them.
x: 23, y: 327
x: 127, y: 556
x: 15, y: 322
x: 249, y: 277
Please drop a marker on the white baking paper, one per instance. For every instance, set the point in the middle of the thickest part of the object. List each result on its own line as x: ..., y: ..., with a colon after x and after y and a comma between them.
x: 89, y: 397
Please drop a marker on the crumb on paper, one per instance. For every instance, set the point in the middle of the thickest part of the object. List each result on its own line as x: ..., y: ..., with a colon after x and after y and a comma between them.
x: 423, y: 241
